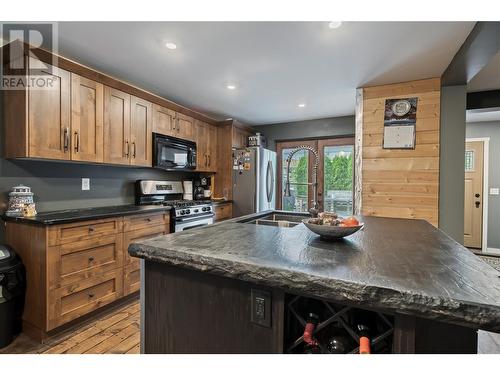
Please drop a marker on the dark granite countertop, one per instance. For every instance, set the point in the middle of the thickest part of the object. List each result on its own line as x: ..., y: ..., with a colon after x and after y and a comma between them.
x: 218, y: 202
x: 79, y: 214
x: 397, y: 265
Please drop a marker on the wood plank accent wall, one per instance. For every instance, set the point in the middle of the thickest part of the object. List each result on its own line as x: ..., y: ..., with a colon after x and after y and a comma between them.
x: 401, y: 183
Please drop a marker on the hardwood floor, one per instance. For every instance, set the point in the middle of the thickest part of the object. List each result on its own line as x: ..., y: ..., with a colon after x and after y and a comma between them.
x: 114, y: 333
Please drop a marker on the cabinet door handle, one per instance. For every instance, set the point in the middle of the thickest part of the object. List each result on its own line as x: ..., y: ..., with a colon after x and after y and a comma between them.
x: 133, y: 153
x: 127, y: 147
x: 208, y: 156
x: 91, y: 295
x: 206, y: 160
x: 91, y: 229
x: 77, y: 141
x: 66, y: 139
x: 91, y: 259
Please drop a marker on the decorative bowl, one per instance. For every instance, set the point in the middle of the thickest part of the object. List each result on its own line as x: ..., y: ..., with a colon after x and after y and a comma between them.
x: 329, y: 232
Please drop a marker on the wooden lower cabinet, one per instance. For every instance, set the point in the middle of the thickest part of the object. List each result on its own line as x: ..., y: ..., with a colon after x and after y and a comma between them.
x: 131, y: 279
x: 76, y: 268
x: 83, y: 230
x: 131, y: 276
x: 77, y: 261
x: 223, y: 211
x: 70, y: 302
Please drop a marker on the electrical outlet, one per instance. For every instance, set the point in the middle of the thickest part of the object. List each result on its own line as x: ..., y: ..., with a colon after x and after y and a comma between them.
x: 85, y: 183
x: 261, y: 307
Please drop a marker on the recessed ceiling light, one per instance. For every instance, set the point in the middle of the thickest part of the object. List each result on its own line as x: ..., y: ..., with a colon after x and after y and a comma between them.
x: 301, y: 105
x: 171, y: 45
x: 231, y: 87
x: 334, y: 24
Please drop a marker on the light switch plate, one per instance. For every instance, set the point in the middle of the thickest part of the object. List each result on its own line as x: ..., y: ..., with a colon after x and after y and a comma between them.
x: 494, y: 191
x: 85, y: 183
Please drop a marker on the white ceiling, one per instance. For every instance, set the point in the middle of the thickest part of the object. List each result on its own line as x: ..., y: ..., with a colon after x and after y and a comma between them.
x: 488, y: 78
x: 275, y: 65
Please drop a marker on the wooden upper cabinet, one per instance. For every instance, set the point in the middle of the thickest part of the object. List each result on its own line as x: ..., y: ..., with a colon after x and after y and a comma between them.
x: 77, y: 118
x: 141, y: 123
x: 116, y: 126
x: 49, y: 117
x: 201, y: 146
x: 163, y: 120
x: 212, y: 147
x: 240, y: 137
x: 206, y: 147
x: 87, y: 118
x: 184, y: 127
x: 168, y: 122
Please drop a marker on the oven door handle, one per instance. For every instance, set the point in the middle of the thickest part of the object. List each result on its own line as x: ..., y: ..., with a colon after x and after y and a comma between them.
x: 189, y: 219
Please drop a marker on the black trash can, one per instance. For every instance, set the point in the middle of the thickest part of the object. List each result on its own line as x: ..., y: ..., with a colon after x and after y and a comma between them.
x: 12, y: 289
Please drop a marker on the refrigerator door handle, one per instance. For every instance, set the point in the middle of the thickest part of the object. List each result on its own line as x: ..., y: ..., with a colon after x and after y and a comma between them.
x: 269, y: 181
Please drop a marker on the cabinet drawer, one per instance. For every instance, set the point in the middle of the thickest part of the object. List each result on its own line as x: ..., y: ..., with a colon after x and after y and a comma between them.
x: 145, y: 221
x: 79, y: 231
x: 223, y: 211
x: 138, y: 235
x: 75, y: 261
x: 70, y: 302
x: 131, y: 279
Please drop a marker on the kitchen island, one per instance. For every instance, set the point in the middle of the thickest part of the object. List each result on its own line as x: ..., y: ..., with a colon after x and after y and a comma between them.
x: 237, y: 287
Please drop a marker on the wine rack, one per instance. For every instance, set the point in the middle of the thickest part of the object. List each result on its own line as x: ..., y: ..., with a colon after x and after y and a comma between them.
x: 333, y: 314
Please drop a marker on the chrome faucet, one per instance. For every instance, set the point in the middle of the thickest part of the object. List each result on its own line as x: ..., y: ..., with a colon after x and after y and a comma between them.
x: 315, y: 208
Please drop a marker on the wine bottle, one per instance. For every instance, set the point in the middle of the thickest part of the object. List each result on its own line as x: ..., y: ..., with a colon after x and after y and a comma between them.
x: 363, y: 327
x: 311, y: 344
x: 364, y: 339
x: 338, y: 342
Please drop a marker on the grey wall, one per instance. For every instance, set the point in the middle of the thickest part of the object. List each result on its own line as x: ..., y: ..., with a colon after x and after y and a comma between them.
x: 57, y: 185
x: 451, y: 163
x: 326, y: 127
x: 491, y: 130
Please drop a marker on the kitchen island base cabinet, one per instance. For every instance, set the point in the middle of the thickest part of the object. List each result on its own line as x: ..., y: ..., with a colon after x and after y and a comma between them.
x: 187, y: 311
x: 191, y: 312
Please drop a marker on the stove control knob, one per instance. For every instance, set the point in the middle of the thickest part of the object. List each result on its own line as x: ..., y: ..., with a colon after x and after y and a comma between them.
x: 182, y: 212
x: 195, y: 210
x: 188, y: 211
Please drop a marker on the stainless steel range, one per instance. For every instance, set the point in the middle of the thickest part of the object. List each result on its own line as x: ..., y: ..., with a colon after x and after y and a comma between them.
x: 184, y: 214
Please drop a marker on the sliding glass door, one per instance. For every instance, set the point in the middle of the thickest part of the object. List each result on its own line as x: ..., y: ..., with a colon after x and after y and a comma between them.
x: 335, y: 175
x: 300, y: 176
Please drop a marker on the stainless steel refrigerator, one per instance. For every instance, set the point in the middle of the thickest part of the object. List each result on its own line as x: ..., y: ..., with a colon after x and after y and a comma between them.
x: 254, y: 180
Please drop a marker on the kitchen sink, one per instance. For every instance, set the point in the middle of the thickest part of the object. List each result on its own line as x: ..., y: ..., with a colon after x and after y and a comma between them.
x: 279, y: 220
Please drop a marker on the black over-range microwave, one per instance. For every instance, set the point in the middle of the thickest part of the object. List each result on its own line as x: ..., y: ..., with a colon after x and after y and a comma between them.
x: 173, y: 154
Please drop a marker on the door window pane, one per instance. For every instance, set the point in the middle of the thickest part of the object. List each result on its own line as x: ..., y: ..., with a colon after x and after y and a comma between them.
x: 469, y: 160
x: 298, y: 201
x: 338, y: 179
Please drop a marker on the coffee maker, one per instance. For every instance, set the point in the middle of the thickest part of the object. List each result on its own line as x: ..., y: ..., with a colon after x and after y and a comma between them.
x: 202, y: 185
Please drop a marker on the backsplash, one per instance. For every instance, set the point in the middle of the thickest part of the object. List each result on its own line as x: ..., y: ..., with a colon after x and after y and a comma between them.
x: 58, y: 185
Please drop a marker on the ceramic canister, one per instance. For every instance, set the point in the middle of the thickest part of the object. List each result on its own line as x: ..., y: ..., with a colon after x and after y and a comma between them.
x: 19, y: 197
